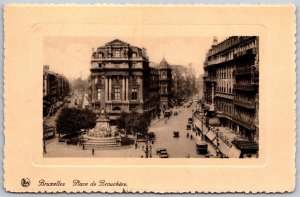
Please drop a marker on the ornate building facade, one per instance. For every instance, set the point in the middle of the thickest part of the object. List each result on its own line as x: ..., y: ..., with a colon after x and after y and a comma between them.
x: 55, y: 88
x: 121, y: 80
x: 165, y: 84
x: 231, y: 84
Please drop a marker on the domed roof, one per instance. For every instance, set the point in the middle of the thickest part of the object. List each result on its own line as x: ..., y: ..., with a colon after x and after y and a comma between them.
x: 164, y: 63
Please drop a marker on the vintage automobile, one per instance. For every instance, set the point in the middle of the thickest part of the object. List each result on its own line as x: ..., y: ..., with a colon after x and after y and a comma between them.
x: 201, y: 148
x: 151, y: 135
x: 163, y: 154
x: 188, y: 127
x: 176, y: 134
x: 168, y: 113
x: 158, y: 150
x: 190, y: 120
x: 175, y: 113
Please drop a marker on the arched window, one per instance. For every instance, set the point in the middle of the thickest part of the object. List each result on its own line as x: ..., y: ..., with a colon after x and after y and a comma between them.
x: 98, y: 94
x: 117, y: 108
x: 164, y: 75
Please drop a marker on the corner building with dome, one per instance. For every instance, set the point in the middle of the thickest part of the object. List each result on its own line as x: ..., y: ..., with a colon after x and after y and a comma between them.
x: 122, y: 80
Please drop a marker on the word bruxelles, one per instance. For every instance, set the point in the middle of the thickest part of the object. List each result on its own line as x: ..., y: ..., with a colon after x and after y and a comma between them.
x: 77, y: 182
x: 42, y: 182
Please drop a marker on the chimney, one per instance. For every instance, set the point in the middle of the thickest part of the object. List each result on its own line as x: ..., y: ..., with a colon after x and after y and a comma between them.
x: 46, y: 68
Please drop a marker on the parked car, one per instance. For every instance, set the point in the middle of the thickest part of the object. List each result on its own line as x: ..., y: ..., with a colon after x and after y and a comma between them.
x: 176, y: 134
x: 201, y: 147
x: 163, y: 154
x: 168, y: 113
x: 151, y: 135
x: 158, y: 150
x: 188, y: 127
x: 190, y: 120
x: 175, y: 113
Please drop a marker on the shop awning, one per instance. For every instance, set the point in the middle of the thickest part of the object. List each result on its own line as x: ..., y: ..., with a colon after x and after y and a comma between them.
x: 211, y: 136
x: 229, y: 150
x: 246, y: 146
x: 214, y: 122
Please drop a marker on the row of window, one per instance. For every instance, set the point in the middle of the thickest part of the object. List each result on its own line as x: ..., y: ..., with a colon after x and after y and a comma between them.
x: 224, y: 86
x: 228, y: 108
x: 116, y: 53
x: 225, y: 72
x: 117, y: 94
x: 230, y: 54
x: 247, y: 98
x: 117, y: 78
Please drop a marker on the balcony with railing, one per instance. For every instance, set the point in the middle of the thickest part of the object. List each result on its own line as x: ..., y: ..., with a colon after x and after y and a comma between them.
x: 245, y: 86
x: 243, y: 103
x: 246, y: 52
x: 121, y: 58
x: 222, y: 114
x: 249, y: 124
x: 210, y: 79
x: 244, y: 71
x: 224, y: 95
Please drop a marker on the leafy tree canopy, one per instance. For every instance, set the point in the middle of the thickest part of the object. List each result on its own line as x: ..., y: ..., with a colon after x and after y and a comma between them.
x: 72, y: 119
x: 134, y: 122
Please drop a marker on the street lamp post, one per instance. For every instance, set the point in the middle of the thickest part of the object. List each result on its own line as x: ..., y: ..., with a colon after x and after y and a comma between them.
x: 44, y: 143
x: 44, y: 140
x: 218, y: 144
x: 202, y: 136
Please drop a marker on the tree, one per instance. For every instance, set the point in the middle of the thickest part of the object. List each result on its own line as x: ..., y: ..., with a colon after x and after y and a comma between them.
x: 134, y: 122
x: 121, y: 121
x: 141, y: 125
x: 72, y: 119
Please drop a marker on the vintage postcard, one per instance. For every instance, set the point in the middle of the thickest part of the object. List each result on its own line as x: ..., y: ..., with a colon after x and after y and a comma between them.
x: 152, y: 98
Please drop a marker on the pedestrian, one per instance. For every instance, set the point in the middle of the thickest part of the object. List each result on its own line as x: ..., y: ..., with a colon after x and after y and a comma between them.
x: 135, y: 145
x: 143, y: 147
x: 191, y: 136
x: 93, y: 152
x: 83, y: 147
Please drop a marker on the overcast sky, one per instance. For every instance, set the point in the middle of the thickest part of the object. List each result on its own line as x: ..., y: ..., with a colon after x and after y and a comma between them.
x: 71, y: 56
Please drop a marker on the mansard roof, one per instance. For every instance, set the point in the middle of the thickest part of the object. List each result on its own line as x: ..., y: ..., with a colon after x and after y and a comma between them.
x: 117, y: 42
x: 164, y: 63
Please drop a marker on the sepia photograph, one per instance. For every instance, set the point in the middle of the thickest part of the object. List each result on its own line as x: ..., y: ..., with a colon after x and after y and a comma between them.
x: 151, y: 97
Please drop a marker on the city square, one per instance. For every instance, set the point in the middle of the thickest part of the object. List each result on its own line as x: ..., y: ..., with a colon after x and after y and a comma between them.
x: 130, y: 106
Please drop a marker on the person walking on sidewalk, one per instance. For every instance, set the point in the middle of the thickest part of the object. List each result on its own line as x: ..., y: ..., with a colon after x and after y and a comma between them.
x: 93, y: 152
